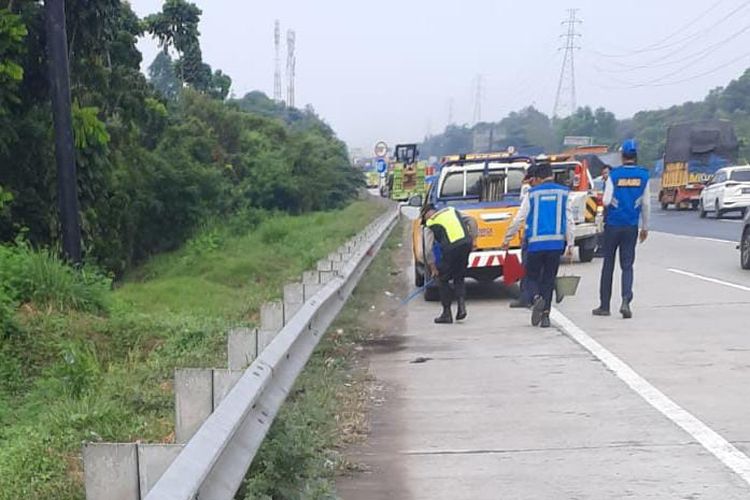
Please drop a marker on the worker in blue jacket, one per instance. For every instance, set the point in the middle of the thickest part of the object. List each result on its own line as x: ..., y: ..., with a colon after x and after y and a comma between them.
x: 627, y: 201
x: 549, y: 233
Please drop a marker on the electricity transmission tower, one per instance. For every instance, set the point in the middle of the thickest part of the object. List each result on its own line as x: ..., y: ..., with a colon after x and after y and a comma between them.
x: 565, y: 100
x: 450, y: 111
x: 478, y: 100
x: 277, y: 95
x: 291, y: 62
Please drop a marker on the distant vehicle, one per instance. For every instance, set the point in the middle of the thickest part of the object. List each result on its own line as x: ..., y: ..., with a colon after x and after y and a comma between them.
x: 373, y: 179
x: 694, y: 153
x: 745, y: 242
x: 486, y: 187
x: 727, y: 191
x: 406, y: 174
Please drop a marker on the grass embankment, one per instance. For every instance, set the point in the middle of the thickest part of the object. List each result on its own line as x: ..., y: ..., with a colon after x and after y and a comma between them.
x: 326, y: 411
x: 79, y: 362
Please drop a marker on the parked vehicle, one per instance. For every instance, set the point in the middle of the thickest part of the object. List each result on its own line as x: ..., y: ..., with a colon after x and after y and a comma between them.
x: 487, y: 188
x: 727, y: 191
x: 694, y: 153
x: 745, y: 242
x: 406, y: 174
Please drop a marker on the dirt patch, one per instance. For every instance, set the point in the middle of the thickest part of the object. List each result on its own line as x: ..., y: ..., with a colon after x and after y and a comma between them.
x: 365, y: 469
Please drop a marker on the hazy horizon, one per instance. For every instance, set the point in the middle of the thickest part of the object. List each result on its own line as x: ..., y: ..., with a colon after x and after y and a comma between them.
x: 389, y: 71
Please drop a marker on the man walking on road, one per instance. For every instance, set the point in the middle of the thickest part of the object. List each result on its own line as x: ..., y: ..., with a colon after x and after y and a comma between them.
x: 454, y: 235
x: 525, y: 299
x: 627, y: 200
x: 549, y: 230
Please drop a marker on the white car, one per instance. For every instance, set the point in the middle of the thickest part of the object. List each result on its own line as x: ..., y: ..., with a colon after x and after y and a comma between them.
x: 727, y: 191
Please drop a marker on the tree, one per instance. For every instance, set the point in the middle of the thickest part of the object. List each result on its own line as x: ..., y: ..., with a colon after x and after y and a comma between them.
x: 163, y: 77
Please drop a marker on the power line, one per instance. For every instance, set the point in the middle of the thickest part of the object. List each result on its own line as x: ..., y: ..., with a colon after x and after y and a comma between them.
x: 567, y: 82
x: 697, y: 56
x: 654, y: 47
x: 685, y: 41
x: 627, y: 85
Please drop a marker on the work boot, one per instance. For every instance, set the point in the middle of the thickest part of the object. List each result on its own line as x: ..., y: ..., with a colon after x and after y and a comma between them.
x: 519, y: 304
x: 600, y: 311
x: 625, y: 310
x: 461, y: 311
x: 537, y: 310
x: 446, y: 318
x: 545, y: 321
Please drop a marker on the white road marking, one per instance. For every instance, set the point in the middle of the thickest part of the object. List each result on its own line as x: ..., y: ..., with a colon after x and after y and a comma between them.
x: 702, y: 238
x: 707, y: 437
x: 710, y: 280
x: 731, y: 221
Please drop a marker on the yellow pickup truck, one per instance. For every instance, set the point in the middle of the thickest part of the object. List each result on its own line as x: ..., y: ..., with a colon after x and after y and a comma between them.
x: 486, y: 187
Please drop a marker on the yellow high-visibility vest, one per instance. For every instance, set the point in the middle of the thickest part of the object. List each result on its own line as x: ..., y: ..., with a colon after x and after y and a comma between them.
x: 448, y: 219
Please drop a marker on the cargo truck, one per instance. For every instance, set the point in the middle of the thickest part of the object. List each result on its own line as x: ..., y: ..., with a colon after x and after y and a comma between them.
x: 694, y: 152
x: 406, y: 174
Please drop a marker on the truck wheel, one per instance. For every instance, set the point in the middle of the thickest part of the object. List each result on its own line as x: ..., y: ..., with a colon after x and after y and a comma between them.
x: 745, y: 250
x: 418, y: 276
x: 586, y: 253
x: 664, y: 206
x: 431, y: 294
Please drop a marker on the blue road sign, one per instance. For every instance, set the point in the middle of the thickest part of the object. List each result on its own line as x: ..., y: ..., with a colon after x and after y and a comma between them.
x: 382, y: 165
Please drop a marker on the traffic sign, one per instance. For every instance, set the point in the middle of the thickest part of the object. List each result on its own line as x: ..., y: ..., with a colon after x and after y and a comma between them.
x: 382, y: 166
x: 381, y: 149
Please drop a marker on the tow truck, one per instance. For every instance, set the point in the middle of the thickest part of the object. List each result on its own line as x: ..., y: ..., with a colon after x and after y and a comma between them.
x: 587, y: 205
x: 486, y: 187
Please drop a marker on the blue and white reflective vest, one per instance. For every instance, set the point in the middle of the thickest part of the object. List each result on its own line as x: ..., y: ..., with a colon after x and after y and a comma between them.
x: 630, y: 183
x: 546, y: 224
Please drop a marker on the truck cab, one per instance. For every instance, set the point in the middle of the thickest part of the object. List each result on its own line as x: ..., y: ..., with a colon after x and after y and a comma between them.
x: 406, y: 176
x: 486, y: 188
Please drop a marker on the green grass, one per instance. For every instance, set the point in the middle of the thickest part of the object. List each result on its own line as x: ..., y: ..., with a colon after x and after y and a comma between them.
x: 303, y: 451
x: 82, y: 363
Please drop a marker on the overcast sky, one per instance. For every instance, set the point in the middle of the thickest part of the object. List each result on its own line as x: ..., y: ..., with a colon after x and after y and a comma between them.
x: 388, y: 69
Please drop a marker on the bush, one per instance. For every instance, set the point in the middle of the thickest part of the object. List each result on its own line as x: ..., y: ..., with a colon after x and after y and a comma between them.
x: 43, y: 279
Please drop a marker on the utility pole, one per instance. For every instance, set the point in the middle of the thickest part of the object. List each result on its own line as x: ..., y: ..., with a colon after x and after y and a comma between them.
x: 291, y: 63
x: 565, y: 100
x: 478, y: 100
x: 59, y: 79
x: 277, y: 95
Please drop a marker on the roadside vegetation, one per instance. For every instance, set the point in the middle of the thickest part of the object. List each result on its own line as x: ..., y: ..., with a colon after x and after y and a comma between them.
x: 327, y: 409
x: 81, y: 362
x: 530, y: 126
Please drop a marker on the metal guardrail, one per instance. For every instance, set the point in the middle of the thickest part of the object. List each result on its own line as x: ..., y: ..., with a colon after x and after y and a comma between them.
x: 214, y: 462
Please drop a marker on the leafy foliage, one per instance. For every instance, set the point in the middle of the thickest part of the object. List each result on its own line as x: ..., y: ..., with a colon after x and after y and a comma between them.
x: 155, y: 159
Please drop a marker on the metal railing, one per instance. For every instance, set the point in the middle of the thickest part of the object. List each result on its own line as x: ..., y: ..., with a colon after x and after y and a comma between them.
x: 213, y: 464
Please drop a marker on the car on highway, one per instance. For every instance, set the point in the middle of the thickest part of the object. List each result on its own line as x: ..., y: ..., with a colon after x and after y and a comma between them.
x: 727, y: 191
x: 745, y: 242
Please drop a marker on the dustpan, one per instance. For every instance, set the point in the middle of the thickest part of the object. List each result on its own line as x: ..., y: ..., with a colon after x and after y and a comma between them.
x: 513, y: 270
x: 566, y: 286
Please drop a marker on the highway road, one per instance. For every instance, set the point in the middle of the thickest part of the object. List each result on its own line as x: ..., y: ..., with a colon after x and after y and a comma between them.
x: 687, y: 223
x: 595, y: 408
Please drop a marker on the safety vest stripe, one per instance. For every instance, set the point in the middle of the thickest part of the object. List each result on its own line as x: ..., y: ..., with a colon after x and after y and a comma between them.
x: 547, y: 237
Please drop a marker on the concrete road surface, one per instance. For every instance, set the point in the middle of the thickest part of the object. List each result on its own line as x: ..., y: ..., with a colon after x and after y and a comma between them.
x: 596, y: 408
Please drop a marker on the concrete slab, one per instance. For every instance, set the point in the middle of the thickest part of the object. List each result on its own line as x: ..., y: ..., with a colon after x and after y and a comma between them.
x: 493, y: 408
x: 242, y: 348
x: 272, y: 316
x: 153, y: 460
x: 111, y: 471
x: 224, y: 381
x: 294, y: 298
x: 193, y: 388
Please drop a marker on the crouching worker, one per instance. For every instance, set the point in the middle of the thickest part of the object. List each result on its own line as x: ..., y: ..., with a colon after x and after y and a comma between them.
x: 549, y: 230
x: 453, y: 234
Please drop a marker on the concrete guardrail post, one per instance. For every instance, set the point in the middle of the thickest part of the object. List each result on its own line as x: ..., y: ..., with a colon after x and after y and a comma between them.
x: 271, y: 322
x: 111, y: 471
x: 242, y: 348
x: 153, y: 460
x: 194, y: 395
x: 294, y: 299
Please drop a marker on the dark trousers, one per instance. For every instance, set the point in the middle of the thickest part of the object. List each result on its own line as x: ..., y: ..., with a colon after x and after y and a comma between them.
x: 452, y: 266
x: 622, y: 239
x: 525, y: 297
x: 541, y: 271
